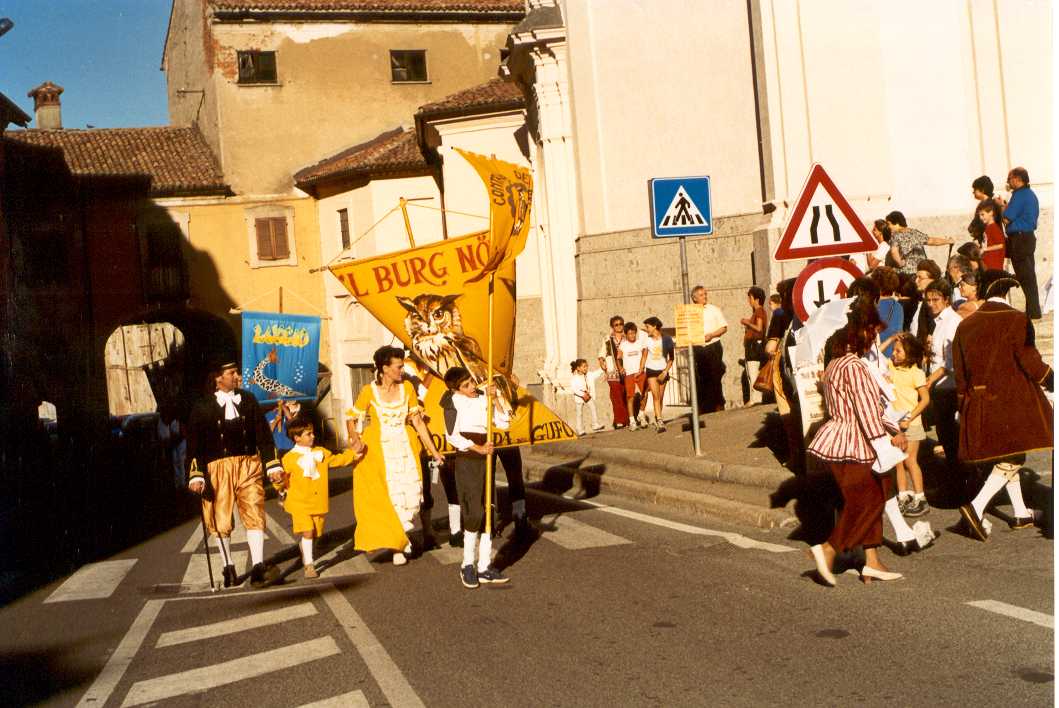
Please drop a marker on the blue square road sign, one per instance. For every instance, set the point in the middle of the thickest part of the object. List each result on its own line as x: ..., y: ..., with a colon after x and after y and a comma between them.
x: 680, y: 206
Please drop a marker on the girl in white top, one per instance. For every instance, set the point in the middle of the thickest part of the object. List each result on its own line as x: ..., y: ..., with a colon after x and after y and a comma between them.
x: 659, y: 362
x: 582, y: 388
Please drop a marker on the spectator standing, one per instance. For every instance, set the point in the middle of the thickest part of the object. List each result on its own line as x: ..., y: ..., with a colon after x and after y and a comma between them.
x: 922, y: 322
x: 754, y: 328
x: 1004, y: 413
x: 973, y: 253
x: 777, y: 339
x: 709, y: 356
x: 583, y: 388
x: 912, y: 398
x: 890, y: 310
x: 907, y: 244
x: 660, y: 351
x: 968, y: 286
x: 632, y: 360
x: 982, y: 189
x: 993, y: 250
x: 957, y: 267
x: 940, y: 380
x: 608, y: 362
x: 1020, y: 218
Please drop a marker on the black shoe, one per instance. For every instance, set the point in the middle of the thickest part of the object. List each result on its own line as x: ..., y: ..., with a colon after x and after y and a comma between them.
x: 492, y: 576
x: 1022, y: 522
x: 456, y: 539
x: 973, y: 522
x: 469, y: 576
x: 905, y: 548
x: 260, y: 576
x: 229, y: 575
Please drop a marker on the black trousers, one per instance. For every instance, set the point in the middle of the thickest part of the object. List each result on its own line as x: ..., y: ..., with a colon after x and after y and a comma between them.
x: 1021, y: 247
x: 470, y: 485
x: 510, y: 457
x: 709, y: 372
x: 944, y: 405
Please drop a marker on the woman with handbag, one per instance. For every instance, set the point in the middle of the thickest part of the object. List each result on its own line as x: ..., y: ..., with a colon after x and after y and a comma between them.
x: 850, y: 441
x: 754, y: 340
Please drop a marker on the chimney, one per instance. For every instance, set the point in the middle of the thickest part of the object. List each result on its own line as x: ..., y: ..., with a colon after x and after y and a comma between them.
x: 47, y: 105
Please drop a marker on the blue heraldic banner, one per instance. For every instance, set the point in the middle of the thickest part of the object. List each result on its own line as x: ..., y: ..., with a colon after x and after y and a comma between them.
x: 281, y: 355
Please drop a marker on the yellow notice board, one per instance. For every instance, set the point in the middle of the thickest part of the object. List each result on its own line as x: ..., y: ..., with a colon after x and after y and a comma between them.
x: 690, y: 325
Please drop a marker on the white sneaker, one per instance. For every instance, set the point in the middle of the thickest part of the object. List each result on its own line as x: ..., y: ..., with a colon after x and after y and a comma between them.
x: 632, y: 424
x: 597, y: 427
x: 399, y: 559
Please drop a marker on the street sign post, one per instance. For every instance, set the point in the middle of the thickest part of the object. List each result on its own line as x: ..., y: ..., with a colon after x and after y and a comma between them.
x: 822, y: 224
x: 822, y: 281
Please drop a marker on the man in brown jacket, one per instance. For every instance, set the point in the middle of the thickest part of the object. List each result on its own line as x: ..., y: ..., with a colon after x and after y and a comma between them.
x: 1003, y: 412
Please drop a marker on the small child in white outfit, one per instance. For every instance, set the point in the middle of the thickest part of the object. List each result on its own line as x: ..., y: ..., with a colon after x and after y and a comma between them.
x: 582, y: 388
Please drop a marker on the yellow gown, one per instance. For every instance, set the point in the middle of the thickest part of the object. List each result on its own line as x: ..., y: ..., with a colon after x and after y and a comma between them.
x: 387, y: 483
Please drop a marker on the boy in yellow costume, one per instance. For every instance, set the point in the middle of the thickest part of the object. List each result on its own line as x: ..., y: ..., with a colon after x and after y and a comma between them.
x: 305, y: 480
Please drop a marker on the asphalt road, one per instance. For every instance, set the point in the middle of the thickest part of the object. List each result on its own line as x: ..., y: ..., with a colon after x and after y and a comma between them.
x: 608, y: 606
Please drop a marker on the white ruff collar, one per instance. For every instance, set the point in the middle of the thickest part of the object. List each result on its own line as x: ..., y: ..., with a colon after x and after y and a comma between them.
x: 229, y: 400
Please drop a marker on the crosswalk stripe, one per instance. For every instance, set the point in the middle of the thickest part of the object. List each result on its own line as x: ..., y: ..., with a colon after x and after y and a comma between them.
x: 353, y: 699
x: 240, y: 624
x: 108, y: 679
x: 447, y: 555
x: 278, y: 530
x: 574, y: 535
x: 215, y: 675
x: 272, y: 528
x: 197, y: 576
x: 1016, y: 612
x: 355, y: 565
x: 93, y: 581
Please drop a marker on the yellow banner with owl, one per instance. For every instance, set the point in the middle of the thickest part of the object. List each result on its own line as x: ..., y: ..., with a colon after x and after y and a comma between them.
x: 434, y: 298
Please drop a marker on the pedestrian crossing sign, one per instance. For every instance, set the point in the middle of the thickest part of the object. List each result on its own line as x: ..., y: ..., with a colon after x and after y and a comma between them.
x: 680, y: 206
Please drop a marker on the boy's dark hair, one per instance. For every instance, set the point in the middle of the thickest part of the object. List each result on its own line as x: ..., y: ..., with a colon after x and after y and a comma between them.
x: 864, y: 287
x: 941, y: 287
x: 455, y: 377
x: 896, y: 217
x: 930, y: 267
x: 616, y: 318
x: 914, y: 349
x: 576, y: 363
x: 984, y: 185
x: 654, y: 322
x: 887, y: 279
x: 298, y: 426
x: 629, y: 327
x: 775, y: 298
x: 757, y: 293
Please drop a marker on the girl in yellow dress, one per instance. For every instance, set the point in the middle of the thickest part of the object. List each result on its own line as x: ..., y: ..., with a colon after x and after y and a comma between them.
x: 387, y: 483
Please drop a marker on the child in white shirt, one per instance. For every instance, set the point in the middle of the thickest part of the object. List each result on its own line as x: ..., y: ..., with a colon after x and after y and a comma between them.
x: 582, y: 388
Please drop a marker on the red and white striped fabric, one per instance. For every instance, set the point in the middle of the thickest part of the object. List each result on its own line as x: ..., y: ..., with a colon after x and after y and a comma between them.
x: 855, y: 414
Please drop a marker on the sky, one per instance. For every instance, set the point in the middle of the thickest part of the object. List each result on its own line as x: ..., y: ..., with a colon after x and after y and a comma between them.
x: 105, y: 54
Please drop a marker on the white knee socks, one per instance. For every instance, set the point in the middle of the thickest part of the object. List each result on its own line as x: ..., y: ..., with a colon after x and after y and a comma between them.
x: 901, y: 527
x: 485, y: 551
x: 226, y: 553
x: 993, y: 484
x: 307, y: 551
x: 470, y: 545
x: 255, y: 538
x: 1018, y: 506
x: 454, y: 519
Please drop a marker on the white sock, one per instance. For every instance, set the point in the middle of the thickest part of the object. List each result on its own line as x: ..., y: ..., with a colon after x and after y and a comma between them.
x: 470, y: 545
x: 901, y: 527
x: 454, y: 519
x: 1018, y: 506
x: 905, y: 495
x: 993, y: 483
x: 919, y: 496
x: 255, y: 538
x: 518, y: 508
x: 226, y: 553
x: 485, y: 552
x: 307, y: 551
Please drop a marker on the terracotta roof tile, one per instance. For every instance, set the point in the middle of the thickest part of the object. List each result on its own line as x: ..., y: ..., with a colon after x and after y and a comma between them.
x: 496, y: 94
x: 393, y: 151
x: 371, y: 6
x: 178, y: 160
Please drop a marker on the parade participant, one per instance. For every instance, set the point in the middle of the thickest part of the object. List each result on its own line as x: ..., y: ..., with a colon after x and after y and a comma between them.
x: 305, y: 481
x: 849, y: 442
x: 709, y: 356
x: 940, y: 380
x: 608, y: 362
x: 466, y: 430
x: 582, y: 386
x: 1004, y: 414
x: 387, y: 484
x: 754, y: 339
x: 777, y: 339
x: 227, y: 442
x: 906, y: 244
x: 660, y: 353
x: 417, y: 373
x: 911, y: 398
x: 632, y: 358
x: 993, y: 249
x: 1020, y: 220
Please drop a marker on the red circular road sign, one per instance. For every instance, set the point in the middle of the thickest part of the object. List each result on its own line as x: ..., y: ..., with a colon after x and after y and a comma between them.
x: 822, y: 281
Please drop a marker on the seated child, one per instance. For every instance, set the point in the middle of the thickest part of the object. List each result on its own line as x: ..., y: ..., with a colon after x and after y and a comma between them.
x: 305, y: 481
x: 465, y: 429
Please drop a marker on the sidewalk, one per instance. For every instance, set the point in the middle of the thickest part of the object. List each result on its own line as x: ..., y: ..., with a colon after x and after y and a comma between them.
x: 733, y: 478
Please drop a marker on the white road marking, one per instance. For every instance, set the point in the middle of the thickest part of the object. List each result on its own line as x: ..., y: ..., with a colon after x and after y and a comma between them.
x: 197, y: 576
x: 394, y: 685
x: 272, y: 527
x: 574, y: 535
x: 355, y: 565
x: 202, y: 679
x: 278, y: 531
x: 241, y: 624
x: 93, y: 581
x: 1019, y: 613
x: 119, y: 661
x: 353, y: 699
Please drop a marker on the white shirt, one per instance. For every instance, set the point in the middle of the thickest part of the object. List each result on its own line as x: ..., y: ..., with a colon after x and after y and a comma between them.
x: 471, y: 418
x: 945, y: 326
x: 712, y: 320
x: 914, y: 328
x: 632, y: 352
x: 580, y: 384
x: 656, y: 358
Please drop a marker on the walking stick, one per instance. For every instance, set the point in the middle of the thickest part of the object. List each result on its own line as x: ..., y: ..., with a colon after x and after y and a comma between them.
x: 206, y: 542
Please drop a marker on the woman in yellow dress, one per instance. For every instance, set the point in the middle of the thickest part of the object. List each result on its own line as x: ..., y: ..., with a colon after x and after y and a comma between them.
x: 387, y: 483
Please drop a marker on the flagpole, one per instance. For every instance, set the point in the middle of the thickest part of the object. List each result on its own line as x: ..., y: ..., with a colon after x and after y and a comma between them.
x: 489, y: 419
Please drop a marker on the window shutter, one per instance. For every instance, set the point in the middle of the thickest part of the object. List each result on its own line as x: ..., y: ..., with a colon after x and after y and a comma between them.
x: 279, y: 235
x: 264, y: 239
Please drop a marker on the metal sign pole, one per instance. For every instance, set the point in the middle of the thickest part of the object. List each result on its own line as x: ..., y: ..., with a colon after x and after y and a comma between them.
x: 691, y: 352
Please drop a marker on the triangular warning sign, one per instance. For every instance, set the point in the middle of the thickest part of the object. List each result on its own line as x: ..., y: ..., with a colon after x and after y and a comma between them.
x: 822, y: 224
x: 682, y: 212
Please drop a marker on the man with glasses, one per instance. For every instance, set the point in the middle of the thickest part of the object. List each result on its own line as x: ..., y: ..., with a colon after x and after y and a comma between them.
x: 608, y: 362
x: 922, y: 323
x: 941, y: 380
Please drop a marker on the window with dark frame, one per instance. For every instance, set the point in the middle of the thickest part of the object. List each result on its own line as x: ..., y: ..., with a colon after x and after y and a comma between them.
x: 408, y: 65
x: 272, y: 238
x: 343, y: 227
x: 257, y: 67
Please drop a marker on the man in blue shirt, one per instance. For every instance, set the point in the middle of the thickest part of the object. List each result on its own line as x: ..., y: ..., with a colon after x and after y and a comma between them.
x: 1020, y: 222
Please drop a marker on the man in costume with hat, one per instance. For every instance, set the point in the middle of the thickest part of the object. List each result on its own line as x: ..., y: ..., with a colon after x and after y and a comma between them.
x: 1003, y: 412
x: 228, y: 440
